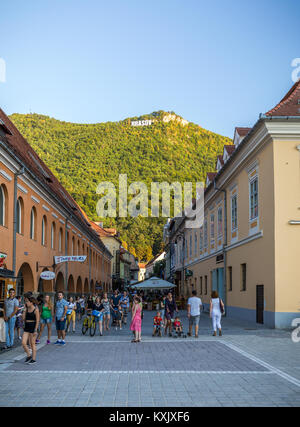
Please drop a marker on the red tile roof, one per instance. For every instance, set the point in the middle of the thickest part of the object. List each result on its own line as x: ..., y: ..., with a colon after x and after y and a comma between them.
x: 242, y: 131
x: 289, y: 105
x: 26, y: 154
x: 229, y: 148
x: 211, y: 176
x: 221, y: 160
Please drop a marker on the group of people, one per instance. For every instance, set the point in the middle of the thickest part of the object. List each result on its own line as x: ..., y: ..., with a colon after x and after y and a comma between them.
x: 35, y: 314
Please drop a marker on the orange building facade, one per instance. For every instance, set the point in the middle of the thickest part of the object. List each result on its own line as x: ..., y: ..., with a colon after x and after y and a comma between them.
x: 39, y: 221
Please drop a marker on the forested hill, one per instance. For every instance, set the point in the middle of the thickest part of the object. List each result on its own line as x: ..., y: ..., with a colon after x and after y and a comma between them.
x: 82, y: 155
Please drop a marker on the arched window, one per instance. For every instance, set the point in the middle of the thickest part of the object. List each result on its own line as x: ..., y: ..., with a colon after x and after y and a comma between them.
x: 53, y: 235
x: 33, y: 223
x: 60, y: 236
x: 78, y: 248
x: 44, y: 231
x: 19, y: 215
x: 73, y: 245
x: 3, y: 205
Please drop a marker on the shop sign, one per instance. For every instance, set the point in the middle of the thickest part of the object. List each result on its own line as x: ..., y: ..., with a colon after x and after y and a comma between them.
x: 60, y: 259
x: 47, y: 275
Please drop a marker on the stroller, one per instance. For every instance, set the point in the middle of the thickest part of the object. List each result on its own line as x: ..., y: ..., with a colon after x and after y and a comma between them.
x: 178, y: 334
x: 158, y: 331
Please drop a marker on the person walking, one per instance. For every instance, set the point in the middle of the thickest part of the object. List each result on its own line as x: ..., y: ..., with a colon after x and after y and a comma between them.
x: 106, y: 312
x: 216, y: 310
x: 170, y: 309
x: 46, y: 318
x: 31, y: 318
x: 98, y: 310
x: 19, y: 317
x: 60, y: 318
x: 136, y: 320
x: 11, y: 306
x: 194, y: 305
x: 72, y: 313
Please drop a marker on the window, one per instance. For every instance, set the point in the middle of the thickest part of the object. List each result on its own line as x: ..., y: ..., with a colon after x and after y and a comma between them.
x: 78, y: 248
x: 243, y: 277
x: 196, y: 243
x: 254, y: 199
x: 53, y: 235
x: 205, y: 285
x: 229, y: 278
x: 3, y: 205
x: 60, y: 240
x: 32, y: 223
x: 191, y: 245
x: 201, y: 239
x: 44, y: 230
x: 201, y: 283
x: 19, y: 218
x: 205, y: 234
x: 234, y: 224
x: 212, y: 226
x: 73, y: 245
x: 220, y: 222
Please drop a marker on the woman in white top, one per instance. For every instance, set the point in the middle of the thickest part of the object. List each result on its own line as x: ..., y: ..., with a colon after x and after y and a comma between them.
x: 215, y: 312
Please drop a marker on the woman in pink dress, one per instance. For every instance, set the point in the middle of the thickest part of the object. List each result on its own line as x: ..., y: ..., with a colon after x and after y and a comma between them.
x: 136, y: 320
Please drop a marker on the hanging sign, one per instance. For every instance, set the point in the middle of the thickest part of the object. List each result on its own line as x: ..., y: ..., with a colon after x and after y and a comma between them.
x: 47, y: 275
x: 60, y: 259
x: 2, y: 259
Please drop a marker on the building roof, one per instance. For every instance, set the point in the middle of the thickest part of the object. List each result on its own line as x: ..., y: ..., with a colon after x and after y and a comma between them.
x: 23, y: 151
x: 290, y: 103
x: 242, y: 131
x: 229, y: 148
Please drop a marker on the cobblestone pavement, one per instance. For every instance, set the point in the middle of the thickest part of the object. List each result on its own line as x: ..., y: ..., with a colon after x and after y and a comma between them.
x: 248, y: 366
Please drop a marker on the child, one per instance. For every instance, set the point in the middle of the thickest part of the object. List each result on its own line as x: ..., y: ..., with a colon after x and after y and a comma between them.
x: 157, y: 324
x: 177, y: 325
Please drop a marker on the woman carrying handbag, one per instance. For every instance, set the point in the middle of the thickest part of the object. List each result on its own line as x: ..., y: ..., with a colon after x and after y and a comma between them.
x: 216, y: 311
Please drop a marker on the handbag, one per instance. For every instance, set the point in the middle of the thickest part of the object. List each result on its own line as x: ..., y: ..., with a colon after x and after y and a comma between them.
x: 222, y: 308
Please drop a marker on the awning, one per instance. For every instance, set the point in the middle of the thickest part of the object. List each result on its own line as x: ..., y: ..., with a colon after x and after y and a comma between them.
x: 7, y: 273
x: 153, y: 283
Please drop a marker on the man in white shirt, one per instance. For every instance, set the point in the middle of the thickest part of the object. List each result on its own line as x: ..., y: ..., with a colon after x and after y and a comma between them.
x: 194, y: 305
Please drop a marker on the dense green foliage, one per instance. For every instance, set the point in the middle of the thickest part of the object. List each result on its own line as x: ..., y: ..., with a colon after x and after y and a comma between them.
x: 83, y: 155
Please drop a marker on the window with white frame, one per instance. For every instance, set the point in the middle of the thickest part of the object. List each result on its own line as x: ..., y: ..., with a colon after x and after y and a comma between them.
x: 191, y: 245
x: 234, y: 223
x: 60, y: 240
x: 196, y: 242
x: 2, y: 206
x: 52, y: 235
x: 220, y: 222
x: 44, y: 225
x: 254, y: 198
x: 212, y: 226
x: 32, y: 223
x: 205, y: 234
x: 19, y: 216
x: 201, y: 239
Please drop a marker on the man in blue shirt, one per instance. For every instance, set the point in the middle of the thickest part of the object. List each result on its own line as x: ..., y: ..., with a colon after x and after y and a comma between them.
x: 60, y: 318
x: 11, y: 305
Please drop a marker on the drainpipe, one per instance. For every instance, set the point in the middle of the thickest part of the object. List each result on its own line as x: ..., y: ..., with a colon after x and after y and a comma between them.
x: 20, y: 172
x: 90, y: 266
x: 66, y: 251
x: 224, y: 244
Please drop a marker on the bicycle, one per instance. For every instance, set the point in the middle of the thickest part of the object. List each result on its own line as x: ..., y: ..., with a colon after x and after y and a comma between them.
x: 68, y: 321
x: 89, y: 323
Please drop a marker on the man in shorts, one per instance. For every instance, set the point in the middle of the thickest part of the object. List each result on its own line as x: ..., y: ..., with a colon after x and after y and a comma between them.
x: 194, y: 305
x: 61, y: 308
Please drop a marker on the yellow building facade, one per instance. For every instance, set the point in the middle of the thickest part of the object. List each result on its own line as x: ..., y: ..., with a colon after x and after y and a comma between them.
x: 248, y: 245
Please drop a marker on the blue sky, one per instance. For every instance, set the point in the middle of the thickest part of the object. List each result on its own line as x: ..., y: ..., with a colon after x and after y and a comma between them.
x: 218, y: 64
